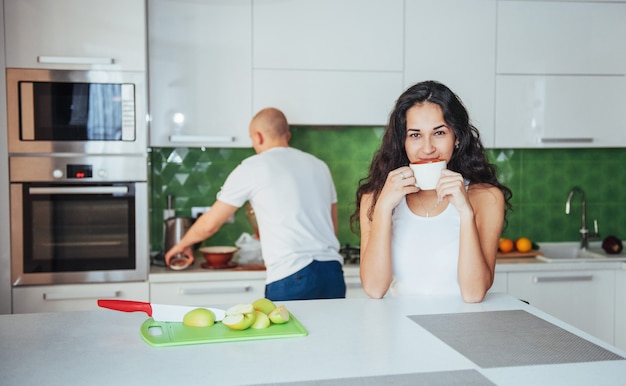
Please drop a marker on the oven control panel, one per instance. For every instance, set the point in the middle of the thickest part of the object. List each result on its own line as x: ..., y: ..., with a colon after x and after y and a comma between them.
x: 88, y: 168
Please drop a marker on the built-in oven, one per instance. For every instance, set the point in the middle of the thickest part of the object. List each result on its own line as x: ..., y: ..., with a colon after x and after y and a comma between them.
x: 78, y: 112
x: 78, y: 219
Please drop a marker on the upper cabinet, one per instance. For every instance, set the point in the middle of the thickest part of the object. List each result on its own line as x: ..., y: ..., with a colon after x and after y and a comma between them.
x: 561, y: 74
x: 561, y: 38
x: 454, y: 42
x: 328, y: 62
x: 76, y: 34
x: 200, y: 76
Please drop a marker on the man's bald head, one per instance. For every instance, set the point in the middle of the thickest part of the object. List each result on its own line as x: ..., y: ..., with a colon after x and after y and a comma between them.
x: 272, y: 122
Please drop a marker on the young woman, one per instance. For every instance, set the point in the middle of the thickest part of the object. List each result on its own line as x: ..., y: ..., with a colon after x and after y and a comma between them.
x: 430, y: 241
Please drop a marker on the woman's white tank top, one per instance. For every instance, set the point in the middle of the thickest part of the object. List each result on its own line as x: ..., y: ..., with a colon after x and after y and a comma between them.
x: 425, y: 251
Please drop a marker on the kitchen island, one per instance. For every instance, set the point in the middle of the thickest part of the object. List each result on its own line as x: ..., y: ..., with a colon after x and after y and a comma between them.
x: 362, y: 341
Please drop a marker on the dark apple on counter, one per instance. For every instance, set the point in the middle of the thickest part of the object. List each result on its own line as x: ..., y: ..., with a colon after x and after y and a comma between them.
x: 612, y: 245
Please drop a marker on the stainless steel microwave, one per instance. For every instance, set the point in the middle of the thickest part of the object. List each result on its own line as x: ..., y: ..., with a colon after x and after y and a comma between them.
x: 69, y: 111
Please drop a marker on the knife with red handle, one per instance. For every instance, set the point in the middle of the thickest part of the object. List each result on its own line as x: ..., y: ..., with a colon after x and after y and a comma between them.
x: 158, y: 312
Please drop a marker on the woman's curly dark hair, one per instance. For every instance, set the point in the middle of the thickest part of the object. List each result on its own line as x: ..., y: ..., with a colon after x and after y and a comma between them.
x: 468, y: 159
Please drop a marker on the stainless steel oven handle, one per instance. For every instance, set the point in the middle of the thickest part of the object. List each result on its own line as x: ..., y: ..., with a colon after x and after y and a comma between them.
x: 79, y: 190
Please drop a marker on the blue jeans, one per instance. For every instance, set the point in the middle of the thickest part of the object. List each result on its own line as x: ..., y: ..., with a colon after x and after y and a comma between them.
x: 318, y: 280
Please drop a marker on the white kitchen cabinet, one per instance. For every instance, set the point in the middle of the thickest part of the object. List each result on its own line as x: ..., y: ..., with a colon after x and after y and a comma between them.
x: 620, y: 309
x: 460, y: 54
x: 76, y: 34
x: 561, y: 74
x: 555, y: 37
x: 500, y: 283
x: 550, y: 111
x: 200, y: 72
x: 354, y: 288
x: 328, y: 97
x: 328, y: 62
x: 585, y: 299
x: 74, y: 297
x: 207, y: 293
x: 348, y: 35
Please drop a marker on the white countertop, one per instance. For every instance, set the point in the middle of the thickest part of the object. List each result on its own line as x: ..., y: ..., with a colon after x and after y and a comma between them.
x: 196, y: 273
x: 347, y: 338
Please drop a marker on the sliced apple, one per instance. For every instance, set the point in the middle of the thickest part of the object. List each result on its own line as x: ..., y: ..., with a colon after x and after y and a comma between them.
x: 240, y: 309
x: 264, y: 305
x: 260, y: 321
x: 239, y: 317
x: 199, y: 317
x: 279, y: 315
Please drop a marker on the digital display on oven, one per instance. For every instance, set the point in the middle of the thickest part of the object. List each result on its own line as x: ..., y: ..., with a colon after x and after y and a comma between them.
x: 79, y: 171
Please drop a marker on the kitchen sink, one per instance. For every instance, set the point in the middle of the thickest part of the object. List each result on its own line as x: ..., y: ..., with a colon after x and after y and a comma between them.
x: 567, y: 252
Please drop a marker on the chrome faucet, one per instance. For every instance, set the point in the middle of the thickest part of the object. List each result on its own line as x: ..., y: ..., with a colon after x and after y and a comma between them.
x: 584, y: 232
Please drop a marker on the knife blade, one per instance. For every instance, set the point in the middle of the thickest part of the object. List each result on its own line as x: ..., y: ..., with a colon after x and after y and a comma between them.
x: 158, y: 312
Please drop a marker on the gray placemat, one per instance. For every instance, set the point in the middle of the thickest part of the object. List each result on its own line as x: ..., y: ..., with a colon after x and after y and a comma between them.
x: 439, y: 378
x: 511, y: 338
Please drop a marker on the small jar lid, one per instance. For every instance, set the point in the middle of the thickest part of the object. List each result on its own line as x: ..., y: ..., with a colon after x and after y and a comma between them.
x: 179, y: 262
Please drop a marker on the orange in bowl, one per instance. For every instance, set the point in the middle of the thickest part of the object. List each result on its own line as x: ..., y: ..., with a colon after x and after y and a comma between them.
x: 218, y: 256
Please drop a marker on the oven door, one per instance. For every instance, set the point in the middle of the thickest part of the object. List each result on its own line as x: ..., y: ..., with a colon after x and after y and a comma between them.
x: 78, y: 233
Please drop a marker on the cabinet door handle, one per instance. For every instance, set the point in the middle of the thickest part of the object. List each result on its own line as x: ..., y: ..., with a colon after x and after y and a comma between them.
x: 75, y: 296
x: 566, y: 140
x: 201, y: 138
x: 74, y: 60
x: 216, y: 290
x: 555, y: 279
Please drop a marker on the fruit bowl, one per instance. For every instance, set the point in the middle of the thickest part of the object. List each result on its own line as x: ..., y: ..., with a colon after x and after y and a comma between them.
x: 218, y: 256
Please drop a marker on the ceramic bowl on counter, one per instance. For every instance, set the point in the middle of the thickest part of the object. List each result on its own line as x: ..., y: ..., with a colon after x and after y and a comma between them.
x: 218, y: 256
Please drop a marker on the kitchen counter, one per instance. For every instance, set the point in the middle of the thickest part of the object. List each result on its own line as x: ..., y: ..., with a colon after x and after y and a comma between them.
x: 197, y: 273
x: 504, y: 264
x: 356, y: 340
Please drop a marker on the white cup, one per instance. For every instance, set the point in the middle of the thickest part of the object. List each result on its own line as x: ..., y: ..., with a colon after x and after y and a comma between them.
x: 427, y: 173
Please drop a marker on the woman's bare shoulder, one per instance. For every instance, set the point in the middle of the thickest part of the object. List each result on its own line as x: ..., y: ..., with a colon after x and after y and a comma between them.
x: 485, y: 194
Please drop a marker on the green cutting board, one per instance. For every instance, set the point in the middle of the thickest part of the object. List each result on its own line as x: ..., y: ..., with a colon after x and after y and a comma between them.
x: 161, y: 334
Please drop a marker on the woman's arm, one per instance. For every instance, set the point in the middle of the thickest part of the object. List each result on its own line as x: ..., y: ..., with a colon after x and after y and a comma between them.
x: 375, y: 268
x: 480, y: 231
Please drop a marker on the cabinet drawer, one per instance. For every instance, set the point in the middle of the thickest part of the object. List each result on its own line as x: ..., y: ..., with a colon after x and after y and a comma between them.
x: 584, y: 299
x: 354, y: 288
x: 74, y: 297
x: 499, y: 283
x: 214, y: 293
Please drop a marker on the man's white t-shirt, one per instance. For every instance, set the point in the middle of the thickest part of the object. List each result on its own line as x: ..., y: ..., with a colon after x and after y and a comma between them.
x: 292, y: 193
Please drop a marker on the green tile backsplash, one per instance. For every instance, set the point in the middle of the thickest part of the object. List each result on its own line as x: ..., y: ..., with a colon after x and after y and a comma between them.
x: 540, y: 181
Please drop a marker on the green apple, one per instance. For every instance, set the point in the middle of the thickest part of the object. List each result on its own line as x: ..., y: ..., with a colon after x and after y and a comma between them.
x: 199, y: 317
x: 260, y: 321
x: 239, y: 317
x: 279, y: 315
x: 264, y: 305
